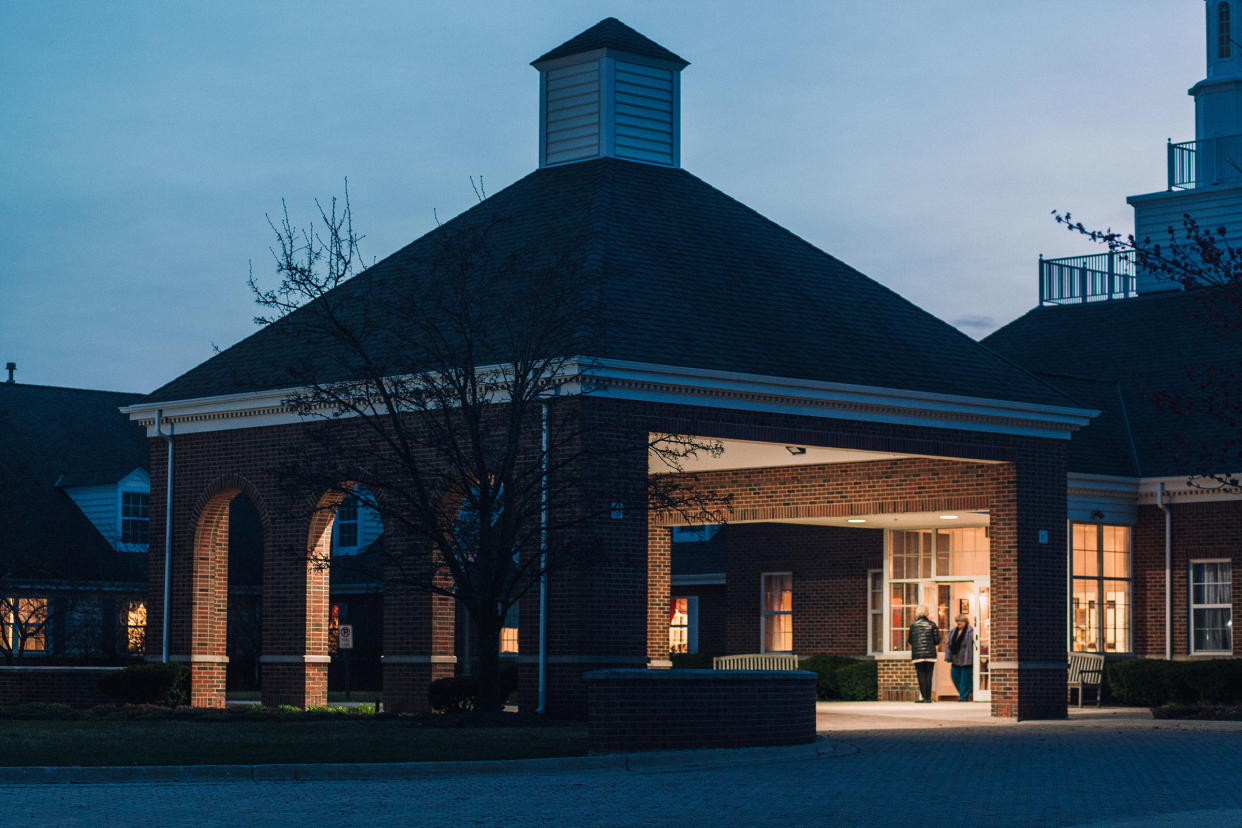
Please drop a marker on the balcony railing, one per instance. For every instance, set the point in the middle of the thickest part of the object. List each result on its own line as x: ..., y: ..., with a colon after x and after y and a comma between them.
x: 1212, y: 161
x: 1094, y: 278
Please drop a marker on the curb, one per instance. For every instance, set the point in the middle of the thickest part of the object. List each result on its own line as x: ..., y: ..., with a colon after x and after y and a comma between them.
x: 653, y: 762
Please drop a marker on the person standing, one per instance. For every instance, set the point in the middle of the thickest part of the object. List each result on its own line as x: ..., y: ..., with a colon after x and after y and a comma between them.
x: 923, y: 638
x: 959, y: 651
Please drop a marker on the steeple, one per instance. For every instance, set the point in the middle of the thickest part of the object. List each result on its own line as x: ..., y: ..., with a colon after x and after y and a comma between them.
x: 610, y: 91
x: 1218, y: 97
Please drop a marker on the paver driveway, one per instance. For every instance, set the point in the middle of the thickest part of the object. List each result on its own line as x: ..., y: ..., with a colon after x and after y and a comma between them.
x: 945, y: 772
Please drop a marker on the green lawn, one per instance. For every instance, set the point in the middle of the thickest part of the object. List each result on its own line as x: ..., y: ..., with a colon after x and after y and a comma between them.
x: 352, y: 739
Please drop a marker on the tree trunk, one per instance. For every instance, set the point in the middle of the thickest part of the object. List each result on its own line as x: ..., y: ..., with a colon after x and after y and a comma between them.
x: 490, y: 698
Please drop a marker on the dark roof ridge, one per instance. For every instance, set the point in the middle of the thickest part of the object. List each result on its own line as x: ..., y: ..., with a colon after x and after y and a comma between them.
x: 1078, y: 377
x: 134, y: 394
x: 611, y: 33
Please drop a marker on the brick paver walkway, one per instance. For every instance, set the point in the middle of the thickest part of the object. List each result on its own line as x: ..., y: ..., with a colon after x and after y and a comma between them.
x: 965, y: 773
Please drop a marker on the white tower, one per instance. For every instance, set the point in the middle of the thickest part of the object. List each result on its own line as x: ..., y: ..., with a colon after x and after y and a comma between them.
x: 1204, y: 175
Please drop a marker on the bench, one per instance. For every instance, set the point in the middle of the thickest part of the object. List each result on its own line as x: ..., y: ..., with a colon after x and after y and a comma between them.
x: 756, y: 661
x: 1086, y: 671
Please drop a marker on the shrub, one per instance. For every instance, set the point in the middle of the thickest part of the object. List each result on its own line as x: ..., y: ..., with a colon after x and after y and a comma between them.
x: 858, y: 681
x: 1151, y: 682
x: 460, y: 694
x: 154, y: 683
x: 827, y: 686
x: 54, y: 711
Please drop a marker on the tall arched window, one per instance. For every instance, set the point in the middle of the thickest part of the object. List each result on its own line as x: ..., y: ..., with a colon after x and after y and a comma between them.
x: 1223, y: 38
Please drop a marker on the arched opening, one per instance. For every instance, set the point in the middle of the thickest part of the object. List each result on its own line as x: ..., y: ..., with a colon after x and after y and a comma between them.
x: 1224, y: 38
x: 245, y: 599
x: 348, y: 550
x: 229, y: 541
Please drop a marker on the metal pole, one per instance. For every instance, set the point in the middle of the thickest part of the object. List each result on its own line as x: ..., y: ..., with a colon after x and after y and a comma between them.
x: 1043, y: 294
x: 543, y: 570
x: 168, y: 507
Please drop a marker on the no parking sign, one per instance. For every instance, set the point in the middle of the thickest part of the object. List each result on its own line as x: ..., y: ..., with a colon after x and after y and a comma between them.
x: 345, y: 637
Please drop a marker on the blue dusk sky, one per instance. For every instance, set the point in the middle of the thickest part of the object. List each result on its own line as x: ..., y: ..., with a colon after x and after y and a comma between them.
x: 923, y: 142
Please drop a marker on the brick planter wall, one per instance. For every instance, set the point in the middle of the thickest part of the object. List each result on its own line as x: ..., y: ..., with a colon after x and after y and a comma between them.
x: 631, y: 710
x: 78, y: 686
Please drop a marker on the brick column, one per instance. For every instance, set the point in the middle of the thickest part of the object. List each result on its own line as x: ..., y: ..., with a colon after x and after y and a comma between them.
x: 1028, y: 549
x: 295, y: 657
x: 419, y: 632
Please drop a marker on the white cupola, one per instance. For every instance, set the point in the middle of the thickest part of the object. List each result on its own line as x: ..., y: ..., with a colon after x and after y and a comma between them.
x: 610, y: 92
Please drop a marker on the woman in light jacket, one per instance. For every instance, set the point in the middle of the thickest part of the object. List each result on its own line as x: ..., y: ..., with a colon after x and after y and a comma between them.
x: 959, y: 651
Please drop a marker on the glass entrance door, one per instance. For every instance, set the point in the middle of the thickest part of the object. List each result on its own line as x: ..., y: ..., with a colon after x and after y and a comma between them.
x: 948, y: 599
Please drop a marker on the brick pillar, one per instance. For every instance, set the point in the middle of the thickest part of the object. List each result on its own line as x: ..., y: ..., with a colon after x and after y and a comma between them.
x: 1028, y: 564
x: 205, y: 594
x: 659, y: 577
x: 295, y: 657
x: 419, y: 633
x: 601, y: 610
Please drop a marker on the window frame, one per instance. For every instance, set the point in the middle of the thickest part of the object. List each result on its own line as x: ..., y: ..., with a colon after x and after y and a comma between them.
x: 124, y: 520
x: 691, y: 625
x: 12, y: 615
x: 1099, y: 579
x: 765, y: 613
x: 1191, y: 606
x: 875, y: 615
x: 1224, y: 31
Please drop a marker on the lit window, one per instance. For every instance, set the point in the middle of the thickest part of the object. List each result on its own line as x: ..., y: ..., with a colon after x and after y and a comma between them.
x: 135, y: 627
x: 1211, y: 607
x: 347, y: 522
x: 1223, y: 38
x: 135, y: 517
x: 23, y: 625
x: 338, y: 614
x: 509, y: 631
x: 1100, y: 589
x: 777, y: 618
x: 683, y: 623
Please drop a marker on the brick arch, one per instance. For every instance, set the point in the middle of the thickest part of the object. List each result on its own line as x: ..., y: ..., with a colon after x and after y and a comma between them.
x: 209, y: 575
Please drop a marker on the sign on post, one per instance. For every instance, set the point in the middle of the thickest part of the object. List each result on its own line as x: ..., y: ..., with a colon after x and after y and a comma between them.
x: 345, y: 637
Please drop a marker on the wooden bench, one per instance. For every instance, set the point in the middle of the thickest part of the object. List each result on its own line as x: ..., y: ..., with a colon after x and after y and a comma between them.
x: 756, y: 661
x: 1086, y: 671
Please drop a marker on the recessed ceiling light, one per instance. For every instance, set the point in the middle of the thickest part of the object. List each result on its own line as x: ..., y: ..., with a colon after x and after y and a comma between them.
x: 948, y: 517
x: 855, y: 520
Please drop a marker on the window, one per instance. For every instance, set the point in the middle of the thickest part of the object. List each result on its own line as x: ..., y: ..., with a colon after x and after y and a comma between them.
x: 875, y: 611
x: 1223, y: 38
x: 683, y: 625
x: 776, y: 622
x: 1211, y: 607
x: 135, y: 517
x: 23, y: 625
x: 135, y: 627
x: 1100, y: 588
x: 509, y: 632
x: 347, y: 522
x: 921, y: 555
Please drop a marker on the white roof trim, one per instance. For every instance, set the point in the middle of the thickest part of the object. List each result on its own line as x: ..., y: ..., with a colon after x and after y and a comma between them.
x: 647, y: 382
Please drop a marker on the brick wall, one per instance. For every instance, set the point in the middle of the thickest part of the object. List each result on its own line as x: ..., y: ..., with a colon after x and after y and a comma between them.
x: 1210, y: 529
x: 78, y: 686
x: 632, y: 710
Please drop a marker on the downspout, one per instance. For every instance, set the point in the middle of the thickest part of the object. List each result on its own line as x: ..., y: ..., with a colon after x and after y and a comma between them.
x: 168, y: 509
x: 543, y: 570
x: 1168, y: 573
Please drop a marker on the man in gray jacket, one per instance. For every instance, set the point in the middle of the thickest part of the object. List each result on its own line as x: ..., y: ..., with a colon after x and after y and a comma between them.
x: 923, y: 638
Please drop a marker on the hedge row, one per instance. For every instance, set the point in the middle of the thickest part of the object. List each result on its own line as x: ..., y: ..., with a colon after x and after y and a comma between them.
x: 1150, y: 682
x: 159, y: 683
x: 460, y: 694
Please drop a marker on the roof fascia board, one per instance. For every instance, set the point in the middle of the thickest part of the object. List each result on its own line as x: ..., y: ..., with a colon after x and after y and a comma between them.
x: 1177, y: 489
x: 648, y: 382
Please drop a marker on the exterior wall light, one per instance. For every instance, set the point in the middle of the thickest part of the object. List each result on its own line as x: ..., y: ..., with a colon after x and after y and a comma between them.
x: 795, y: 450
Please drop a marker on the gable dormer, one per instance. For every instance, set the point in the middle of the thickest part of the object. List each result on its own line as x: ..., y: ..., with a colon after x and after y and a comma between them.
x: 612, y: 92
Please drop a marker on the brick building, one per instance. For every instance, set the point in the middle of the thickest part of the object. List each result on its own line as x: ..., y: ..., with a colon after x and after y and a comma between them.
x: 855, y: 429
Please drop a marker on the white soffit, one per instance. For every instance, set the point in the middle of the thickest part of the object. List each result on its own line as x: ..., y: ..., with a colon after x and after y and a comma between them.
x: 746, y: 454
x: 897, y: 520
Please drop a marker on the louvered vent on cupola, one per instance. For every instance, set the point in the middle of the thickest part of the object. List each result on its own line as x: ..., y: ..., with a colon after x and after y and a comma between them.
x: 610, y: 92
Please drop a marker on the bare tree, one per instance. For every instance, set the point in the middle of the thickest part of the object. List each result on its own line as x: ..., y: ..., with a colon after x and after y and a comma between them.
x: 1202, y: 260
x: 458, y: 418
